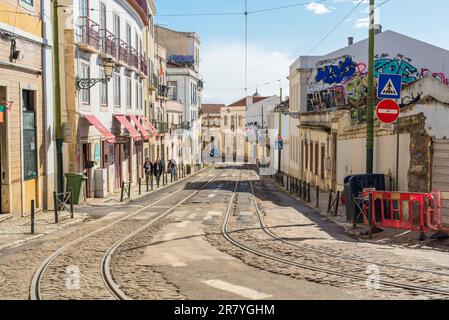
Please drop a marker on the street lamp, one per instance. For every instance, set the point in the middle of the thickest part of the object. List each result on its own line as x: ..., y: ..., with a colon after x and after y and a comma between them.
x: 87, y: 83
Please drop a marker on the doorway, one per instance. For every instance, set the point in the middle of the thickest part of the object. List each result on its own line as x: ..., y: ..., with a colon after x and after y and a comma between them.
x: 87, y: 168
x: 117, y: 166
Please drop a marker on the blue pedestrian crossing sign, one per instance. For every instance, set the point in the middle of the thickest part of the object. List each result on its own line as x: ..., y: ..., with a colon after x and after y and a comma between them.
x: 389, y: 86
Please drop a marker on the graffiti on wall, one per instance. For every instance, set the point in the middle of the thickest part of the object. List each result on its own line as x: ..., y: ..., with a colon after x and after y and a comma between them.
x: 332, y: 74
x: 343, y: 82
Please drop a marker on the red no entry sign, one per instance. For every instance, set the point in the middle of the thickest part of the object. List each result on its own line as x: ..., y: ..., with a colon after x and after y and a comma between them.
x: 387, y: 111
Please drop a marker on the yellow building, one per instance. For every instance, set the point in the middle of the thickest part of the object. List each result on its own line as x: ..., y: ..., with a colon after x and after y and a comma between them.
x: 26, y: 114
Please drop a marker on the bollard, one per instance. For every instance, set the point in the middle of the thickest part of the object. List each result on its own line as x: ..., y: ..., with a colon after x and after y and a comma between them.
x: 71, y: 202
x: 317, y: 196
x: 55, y: 200
x: 32, y: 216
x: 300, y: 189
x: 304, y: 190
x: 329, y: 205
x: 140, y: 185
x: 370, y: 220
x: 123, y: 189
x: 308, y: 193
x: 147, y: 181
x: 171, y: 176
x: 337, y: 201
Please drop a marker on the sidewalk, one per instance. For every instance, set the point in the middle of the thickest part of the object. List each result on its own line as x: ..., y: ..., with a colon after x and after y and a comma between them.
x: 388, y: 236
x: 17, y: 230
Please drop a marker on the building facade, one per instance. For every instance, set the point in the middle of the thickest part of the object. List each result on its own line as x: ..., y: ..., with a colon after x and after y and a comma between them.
x: 105, y: 122
x: 26, y: 106
x: 211, y: 131
x: 185, y: 86
x: 321, y: 87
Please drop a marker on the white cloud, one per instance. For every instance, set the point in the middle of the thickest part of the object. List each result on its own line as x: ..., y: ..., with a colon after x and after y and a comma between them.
x: 223, y: 65
x: 318, y: 8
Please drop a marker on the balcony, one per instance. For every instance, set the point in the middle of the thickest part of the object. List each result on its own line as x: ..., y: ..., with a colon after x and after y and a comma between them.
x: 162, y: 91
x: 143, y: 67
x: 162, y: 127
x: 153, y: 83
x: 122, y: 51
x: 108, y: 45
x: 133, y: 59
x: 88, y: 35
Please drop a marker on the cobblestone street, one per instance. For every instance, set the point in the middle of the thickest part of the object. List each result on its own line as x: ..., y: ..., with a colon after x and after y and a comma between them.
x: 222, y: 233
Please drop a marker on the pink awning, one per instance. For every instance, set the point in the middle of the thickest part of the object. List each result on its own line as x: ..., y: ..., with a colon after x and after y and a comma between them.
x: 150, y: 126
x: 133, y: 133
x: 142, y: 130
x: 107, y: 135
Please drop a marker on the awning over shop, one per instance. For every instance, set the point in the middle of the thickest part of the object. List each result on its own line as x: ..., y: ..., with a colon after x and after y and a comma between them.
x: 133, y: 133
x: 150, y: 126
x: 107, y: 135
x: 142, y: 130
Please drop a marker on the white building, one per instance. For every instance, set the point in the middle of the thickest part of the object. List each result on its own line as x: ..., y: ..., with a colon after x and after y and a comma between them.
x: 106, y: 121
x: 184, y: 85
x: 338, y: 81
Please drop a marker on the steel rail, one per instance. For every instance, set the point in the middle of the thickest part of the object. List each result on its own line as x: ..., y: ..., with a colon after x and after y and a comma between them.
x: 227, y: 236
x: 106, y: 273
x: 267, y: 230
x: 35, y: 285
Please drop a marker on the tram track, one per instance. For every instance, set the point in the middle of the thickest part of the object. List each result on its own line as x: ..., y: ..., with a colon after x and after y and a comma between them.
x: 312, y: 253
x: 117, y: 229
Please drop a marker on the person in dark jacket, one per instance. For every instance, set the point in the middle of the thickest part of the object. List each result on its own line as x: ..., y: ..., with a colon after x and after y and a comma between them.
x: 158, y: 170
x: 148, y: 168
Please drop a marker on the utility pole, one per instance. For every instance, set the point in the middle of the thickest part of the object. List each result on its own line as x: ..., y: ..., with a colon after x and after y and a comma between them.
x: 263, y: 133
x: 58, y: 116
x: 370, y: 107
x: 280, y: 130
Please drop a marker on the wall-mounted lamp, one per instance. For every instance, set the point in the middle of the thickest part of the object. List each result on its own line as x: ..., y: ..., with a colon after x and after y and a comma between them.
x: 87, y: 83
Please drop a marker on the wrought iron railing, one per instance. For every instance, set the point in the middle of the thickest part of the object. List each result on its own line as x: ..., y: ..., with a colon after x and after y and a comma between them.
x: 108, y: 43
x: 88, y: 32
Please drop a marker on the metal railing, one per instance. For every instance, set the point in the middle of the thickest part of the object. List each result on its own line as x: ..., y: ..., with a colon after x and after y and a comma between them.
x: 88, y: 32
x: 63, y: 202
x: 122, y: 50
x: 108, y: 43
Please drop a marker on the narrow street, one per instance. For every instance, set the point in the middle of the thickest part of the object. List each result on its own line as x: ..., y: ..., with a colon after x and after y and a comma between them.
x: 223, y: 233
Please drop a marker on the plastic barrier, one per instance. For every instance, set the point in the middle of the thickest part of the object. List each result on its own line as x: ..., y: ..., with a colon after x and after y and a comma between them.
x: 438, y: 211
x: 408, y: 211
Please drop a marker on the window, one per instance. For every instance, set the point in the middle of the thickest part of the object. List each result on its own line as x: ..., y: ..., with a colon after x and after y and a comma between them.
x: 117, y: 34
x: 316, y: 158
x: 28, y: 2
x: 240, y: 121
x: 302, y: 150
x: 172, y: 90
x: 140, y: 95
x: 29, y: 135
x: 103, y: 90
x: 306, y: 160
x: 128, y: 92
x: 128, y: 42
x: 225, y: 120
x: 84, y: 7
x: 137, y: 94
x: 116, y: 83
x: 311, y: 156
x: 85, y: 93
x: 323, y: 150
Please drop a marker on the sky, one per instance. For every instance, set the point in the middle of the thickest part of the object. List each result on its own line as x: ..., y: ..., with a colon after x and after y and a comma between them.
x: 277, y: 38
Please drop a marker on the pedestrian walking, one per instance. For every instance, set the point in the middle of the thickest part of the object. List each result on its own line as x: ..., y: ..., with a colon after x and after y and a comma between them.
x: 148, y: 168
x: 158, y: 170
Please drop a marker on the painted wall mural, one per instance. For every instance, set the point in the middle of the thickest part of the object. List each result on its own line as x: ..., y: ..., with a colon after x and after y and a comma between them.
x: 342, y: 82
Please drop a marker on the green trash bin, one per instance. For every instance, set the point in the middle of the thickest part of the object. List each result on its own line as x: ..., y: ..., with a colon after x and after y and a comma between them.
x: 76, y: 182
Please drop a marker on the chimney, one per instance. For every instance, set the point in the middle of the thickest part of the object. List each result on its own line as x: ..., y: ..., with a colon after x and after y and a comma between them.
x: 350, y: 41
x: 249, y: 100
x: 377, y: 28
